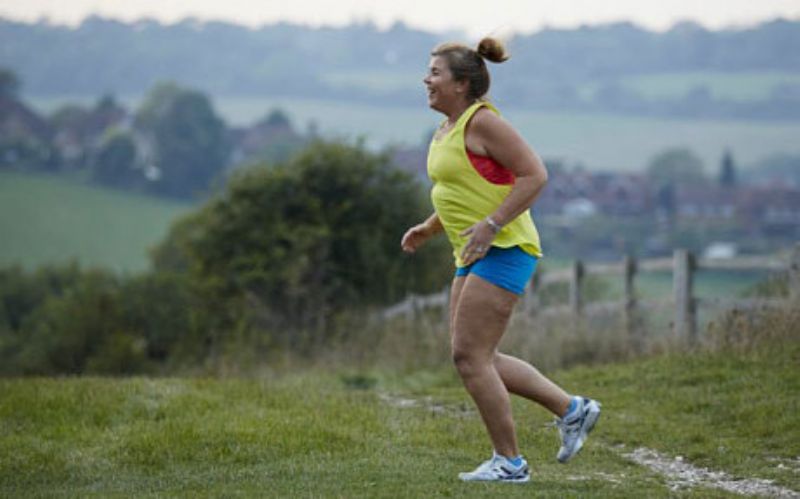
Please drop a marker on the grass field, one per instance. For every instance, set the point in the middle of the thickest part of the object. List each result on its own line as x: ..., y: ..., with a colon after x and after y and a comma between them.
x: 370, y: 434
x: 47, y: 219
x: 733, y: 86
x: 707, y: 284
x: 597, y: 141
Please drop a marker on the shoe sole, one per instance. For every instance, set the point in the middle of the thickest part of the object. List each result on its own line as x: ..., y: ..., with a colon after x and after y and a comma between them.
x: 593, y: 414
x: 464, y: 477
x: 524, y: 479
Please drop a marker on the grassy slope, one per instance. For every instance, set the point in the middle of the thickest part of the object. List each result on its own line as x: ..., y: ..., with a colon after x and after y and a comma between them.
x: 46, y: 219
x: 311, y: 435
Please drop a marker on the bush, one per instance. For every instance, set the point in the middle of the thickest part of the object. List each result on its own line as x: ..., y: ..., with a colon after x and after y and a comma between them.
x: 293, y: 245
x: 64, y: 320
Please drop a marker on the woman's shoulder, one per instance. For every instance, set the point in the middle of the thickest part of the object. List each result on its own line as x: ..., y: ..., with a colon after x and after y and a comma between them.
x: 487, y: 121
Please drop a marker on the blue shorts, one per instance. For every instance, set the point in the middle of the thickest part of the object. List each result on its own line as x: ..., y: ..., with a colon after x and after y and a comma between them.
x: 508, y: 268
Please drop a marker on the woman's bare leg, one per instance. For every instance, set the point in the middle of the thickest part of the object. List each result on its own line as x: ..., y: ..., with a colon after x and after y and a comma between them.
x: 521, y: 378
x: 480, y: 316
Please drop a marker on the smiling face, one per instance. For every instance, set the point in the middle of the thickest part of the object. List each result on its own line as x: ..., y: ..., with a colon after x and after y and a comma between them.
x: 444, y: 93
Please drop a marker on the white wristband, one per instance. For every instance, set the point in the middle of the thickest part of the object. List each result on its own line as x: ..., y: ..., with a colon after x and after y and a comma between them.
x: 496, y: 227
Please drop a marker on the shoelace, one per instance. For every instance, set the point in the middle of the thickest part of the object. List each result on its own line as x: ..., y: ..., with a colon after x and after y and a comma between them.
x: 571, y: 427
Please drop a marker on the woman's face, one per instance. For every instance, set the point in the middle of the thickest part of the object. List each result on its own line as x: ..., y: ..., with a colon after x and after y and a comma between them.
x: 444, y: 93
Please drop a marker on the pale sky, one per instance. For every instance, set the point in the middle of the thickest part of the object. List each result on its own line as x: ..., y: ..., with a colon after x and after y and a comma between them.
x: 474, y: 17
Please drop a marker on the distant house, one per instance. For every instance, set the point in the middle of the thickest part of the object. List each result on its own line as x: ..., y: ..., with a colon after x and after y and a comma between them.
x: 24, y: 136
x: 771, y: 211
x: 272, y: 139
x: 759, y: 210
x: 707, y: 203
x: 80, y: 130
x: 586, y: 193
x: 16, y: 120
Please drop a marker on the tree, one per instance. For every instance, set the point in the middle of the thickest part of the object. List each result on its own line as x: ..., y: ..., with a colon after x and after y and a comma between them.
x: 297, y: 243
x: 114, y: 163
x: 727, y: 170
x: 675, y: 167
x: 9, y: 84
x: 276, y: 118
x: 190, y: 145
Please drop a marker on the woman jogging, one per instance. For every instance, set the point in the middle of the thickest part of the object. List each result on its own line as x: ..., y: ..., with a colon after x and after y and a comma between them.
x: 485, y: 178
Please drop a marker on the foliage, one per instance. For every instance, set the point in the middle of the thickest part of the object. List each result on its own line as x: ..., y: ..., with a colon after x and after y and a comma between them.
x: 548, y: 67
x: 9, y: 83
x: 301, y: 241
x: 727, y: 170
x: 65, y: 320
x: 114, y: 163
x: 675, y: 167
x: 189, y: 139
x: 290, y: 252
x: 276, y: 118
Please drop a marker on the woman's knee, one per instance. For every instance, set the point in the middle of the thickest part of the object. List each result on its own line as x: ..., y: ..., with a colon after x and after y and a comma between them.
x: 467, y: 361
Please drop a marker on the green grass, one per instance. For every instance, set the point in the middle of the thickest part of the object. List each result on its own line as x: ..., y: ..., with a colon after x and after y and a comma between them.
x: 597, y: 141
x: 732, y: 86
x: 707, y: 284
x: 319, y: 434
x: 48, y: 219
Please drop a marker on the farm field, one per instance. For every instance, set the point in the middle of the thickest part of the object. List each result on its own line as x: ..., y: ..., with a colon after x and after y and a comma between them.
x: 48, y: 219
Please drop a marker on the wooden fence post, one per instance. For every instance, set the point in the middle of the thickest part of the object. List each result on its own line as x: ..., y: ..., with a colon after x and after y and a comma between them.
x: 794, y: 275
x: 629, y: 311
x: 575, y: 282
x: 685, y: 327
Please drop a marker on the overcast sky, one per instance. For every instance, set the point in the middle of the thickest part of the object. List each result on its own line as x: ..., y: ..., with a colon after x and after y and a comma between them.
x: 474, y: 17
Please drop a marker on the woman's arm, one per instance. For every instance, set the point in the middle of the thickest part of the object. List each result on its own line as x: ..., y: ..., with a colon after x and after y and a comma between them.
x: 489, y: 135
x: 418, y: 234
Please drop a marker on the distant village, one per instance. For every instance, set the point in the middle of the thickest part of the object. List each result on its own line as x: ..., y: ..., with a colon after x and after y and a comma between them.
x: 74, y: 134
x: 726, y: 214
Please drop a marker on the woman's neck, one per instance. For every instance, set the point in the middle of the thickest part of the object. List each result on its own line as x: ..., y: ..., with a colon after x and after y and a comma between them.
x: 457, y: 110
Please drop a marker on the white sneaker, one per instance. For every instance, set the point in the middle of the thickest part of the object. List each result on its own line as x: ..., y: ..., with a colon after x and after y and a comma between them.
x: 498, y: 469
x: 575, y: 428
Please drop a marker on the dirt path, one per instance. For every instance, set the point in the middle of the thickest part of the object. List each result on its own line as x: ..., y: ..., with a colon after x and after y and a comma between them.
x: 678, y: 472
x: 682, y: 474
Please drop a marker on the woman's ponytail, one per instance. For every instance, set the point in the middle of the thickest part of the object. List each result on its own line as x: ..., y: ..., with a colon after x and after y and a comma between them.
x: 492, y: 50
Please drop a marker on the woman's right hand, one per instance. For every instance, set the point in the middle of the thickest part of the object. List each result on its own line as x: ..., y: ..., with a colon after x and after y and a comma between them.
x: 415, y: 237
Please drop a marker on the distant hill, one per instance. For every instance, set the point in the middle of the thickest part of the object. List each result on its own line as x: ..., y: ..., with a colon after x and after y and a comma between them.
x: 589, y: 68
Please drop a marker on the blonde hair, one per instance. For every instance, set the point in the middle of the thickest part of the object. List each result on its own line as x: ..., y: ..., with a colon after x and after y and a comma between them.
x: 467, y: 64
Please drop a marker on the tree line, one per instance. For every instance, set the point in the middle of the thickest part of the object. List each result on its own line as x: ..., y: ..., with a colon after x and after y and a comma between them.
x: 549, y: 69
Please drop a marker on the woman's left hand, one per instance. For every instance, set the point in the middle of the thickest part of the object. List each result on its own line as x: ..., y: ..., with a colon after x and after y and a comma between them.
x: 480, y: 242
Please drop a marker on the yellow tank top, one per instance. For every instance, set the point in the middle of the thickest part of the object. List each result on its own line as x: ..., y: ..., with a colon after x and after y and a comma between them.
x: 462, y: 196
